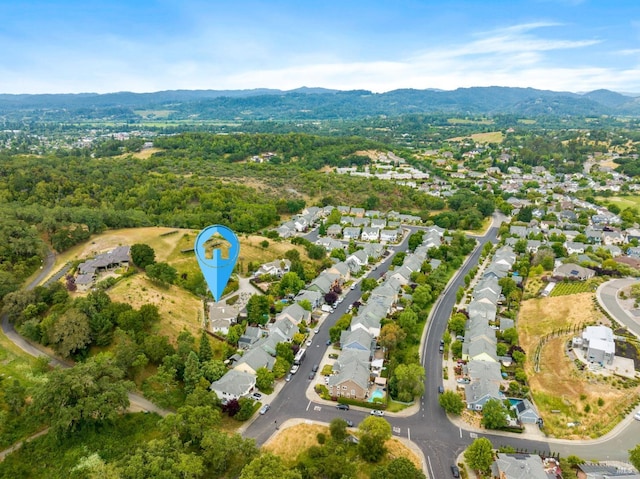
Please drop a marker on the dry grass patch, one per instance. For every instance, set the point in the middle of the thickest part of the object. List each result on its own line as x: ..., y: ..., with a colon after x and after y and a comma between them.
x: 562, y: 393
x: 292, y: 441
x: 488, y: 137
x: 541, y: 316
x: 178, y: 308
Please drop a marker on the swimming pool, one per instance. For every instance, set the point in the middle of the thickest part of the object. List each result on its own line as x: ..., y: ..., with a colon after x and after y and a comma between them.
x: 377, y: 393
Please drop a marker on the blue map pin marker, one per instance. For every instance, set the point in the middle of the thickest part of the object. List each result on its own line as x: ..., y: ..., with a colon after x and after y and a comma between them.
x: 217, y: 249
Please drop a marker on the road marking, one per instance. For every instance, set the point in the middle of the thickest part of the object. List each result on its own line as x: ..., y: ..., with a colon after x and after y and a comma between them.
x: 430, y: 468
x: 317, y: 408
x: 409, y: 434
x: 308, y: 405
x: 473, y: 435
x: 460, y: 432
x: 397, y: 430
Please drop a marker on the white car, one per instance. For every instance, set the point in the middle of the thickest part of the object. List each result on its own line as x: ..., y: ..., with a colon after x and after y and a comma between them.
x: 376, y: 412
x: 309, y: 342
x: 637, y: 416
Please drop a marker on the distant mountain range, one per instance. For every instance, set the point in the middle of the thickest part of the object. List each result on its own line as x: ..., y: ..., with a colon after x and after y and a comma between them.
x: 311, y: 103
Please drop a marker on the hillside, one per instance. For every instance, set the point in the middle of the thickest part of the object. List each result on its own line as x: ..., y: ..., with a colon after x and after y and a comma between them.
x: 310, y: 104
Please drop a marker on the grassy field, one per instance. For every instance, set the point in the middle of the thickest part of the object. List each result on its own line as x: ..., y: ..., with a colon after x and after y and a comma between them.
x: 489, y: 137
x: 292, y: 441
x: 562, y: 392
x: 622, y: 202
x: 465, y: 121
x: 16, y: 364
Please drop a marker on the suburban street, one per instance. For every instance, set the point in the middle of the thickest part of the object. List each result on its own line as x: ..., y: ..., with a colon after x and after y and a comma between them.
x: 440, y: 440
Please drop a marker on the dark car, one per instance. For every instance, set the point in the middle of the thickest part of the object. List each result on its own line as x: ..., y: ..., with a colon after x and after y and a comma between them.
x: 312, y: 375
x: 441, y: 348
x: 455, y: 471
x: 440, y: 389
x: 315, y: 368
x: 344, y: 407
x: 349, y: 423
x: 328, y: 342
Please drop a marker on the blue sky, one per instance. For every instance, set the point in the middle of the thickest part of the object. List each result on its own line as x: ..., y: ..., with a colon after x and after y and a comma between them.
x: 70, y: 46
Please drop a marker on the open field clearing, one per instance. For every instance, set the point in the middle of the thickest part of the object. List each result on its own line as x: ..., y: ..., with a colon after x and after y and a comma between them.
x: 622, y: 202
x: 179, y: 309
x: 562, y: 393
x: 465, y: 121
x: 488, y: 137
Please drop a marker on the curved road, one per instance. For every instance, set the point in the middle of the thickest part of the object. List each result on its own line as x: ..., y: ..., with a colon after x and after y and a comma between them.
x: 440, y: 440
x: 137, y: 402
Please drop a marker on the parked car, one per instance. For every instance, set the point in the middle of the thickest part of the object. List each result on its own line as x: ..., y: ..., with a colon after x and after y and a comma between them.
x: 315, y: 368
x: 377, y: 412
x: 637, y: 416
x: 309, y: 342
x: 344, y: 407
x: 256, y: 396
x: 316, y: 331
x: 441, y: 348
x: 463, y: 380
x: 312, y: 375
x: 455, y: 471
x: 440, y: 389
x: 264, y: 409
x: 294, y: 369
x: 349, y: 423
x: 328, y: 342
x: 288, y: 377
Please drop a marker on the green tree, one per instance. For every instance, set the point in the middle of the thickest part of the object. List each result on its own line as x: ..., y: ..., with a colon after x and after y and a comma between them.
x: 205, y: 353
x: 305, y: 304
x: 268, y: 466
x: 70, y: 333
x: 408, y: 321
x: 451, y: 402
x: 87, y: 394
x: 422, y: 296
x: 510, y: 335
x: 374, y: 432
x: 368, y: 284
x: 338, y: 429
x: 213, y: 369
x: 163, y: 459
x: 284, y: 351
x: 479, y: 455
x: 142, y: 255
x: 494, y: 414
x: 391, y: 335
x: 192, y: 372
x: 339, y: 254
x: 290, y: 284
x: 14, y: 395
x: 258, y: 309
x: 341, y: 324
x: 457, y: 324
x: 264, y: 379
x: 398, y: 468
x: 226, y: 454
x: 409, y: 381
x: 634, y: 456
x: 162, y: 273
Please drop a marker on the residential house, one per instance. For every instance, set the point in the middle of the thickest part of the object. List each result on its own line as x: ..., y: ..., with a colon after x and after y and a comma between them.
x: 479, y: 349
x: 575, y: 271
x: 525, y: 411
x: 598, y: 344
x: 334, y: 231
x: 283, y: 330
x: 359, y: 339
x: 370, y: 234
x: 573, y: 247
x: 613, y: 237
x: 351, y: 233
x: 295, y: 313
x: 360, y: 222
x: 222, y: 316
x: 389, y: 236
x: 487, y: 370
x: 233, y: 385
x: 379, y: 223
x: 358, y: 212
x: 286, y: 230
x: 116, y: 258
x: 351, y: 382
x: 477, y: 393
x: 603, y: 471
x: 373, y: 250
x: 275, y: 268
x: 254, y: 359
x: 84, y: 282
x: 520, y: 466
x: 314, y: 297
x: 250, y: 336
x: 341, y: 268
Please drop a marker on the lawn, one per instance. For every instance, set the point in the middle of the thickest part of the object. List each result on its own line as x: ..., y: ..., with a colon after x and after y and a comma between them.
x: 575, y: 287
x: 562, y: 393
